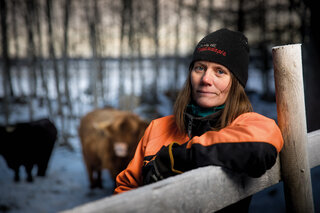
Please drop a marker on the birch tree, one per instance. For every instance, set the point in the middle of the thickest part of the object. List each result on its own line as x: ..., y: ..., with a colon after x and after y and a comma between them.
x: 93, y: 20
x: 52, y: 55
x: 195, y: 24
x: 264, y: 50
x: 43, y: 73
x: 6, y: 62
x: 123, y: 33
x: 14, y: 11
x: 210, y: 16
x: 156, y: 24
x: 178, y: 7
x: 65, y: 57
x: 31, y: 55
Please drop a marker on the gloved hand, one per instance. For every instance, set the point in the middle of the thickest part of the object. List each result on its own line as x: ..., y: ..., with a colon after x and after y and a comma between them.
x: 161, y: 166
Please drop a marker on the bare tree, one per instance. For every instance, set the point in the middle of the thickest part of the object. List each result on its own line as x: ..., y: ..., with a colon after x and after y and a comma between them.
x: 52, y: 54
x: 123, y: 33
x: 131, y: 44
x: 6, y: 60
x: 100, y: 65
x: 195, y: 24
x: 210, y: 16
x: 65, y: 54
x: 156, y: 62
x: 241, y: 14
x: 177, y: 44
x: 14, y: 10
x: 312, y: 74
x: 31, y: 55
x: 43, y: 76
x: 93, y: 20
x: 144, y: 24
x: 265, y: 67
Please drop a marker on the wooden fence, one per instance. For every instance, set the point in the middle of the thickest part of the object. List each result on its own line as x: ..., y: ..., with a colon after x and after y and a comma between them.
x: 211, y: 188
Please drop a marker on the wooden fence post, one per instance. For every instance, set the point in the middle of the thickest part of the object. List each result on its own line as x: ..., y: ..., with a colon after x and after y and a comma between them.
x: 295, y: 168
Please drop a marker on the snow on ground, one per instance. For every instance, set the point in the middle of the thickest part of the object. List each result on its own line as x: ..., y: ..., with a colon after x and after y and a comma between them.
x: 64, y: 186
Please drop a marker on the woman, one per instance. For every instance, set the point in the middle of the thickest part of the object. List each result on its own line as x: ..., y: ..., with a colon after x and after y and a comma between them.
x: 213, y: 122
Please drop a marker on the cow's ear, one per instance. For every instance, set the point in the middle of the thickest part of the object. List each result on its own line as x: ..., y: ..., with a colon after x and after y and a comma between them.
x: 121, y: 149
x: 102, y: 126
x: 124, y: 124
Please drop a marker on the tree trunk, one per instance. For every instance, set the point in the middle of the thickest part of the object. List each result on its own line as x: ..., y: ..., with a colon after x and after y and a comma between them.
x: 154, y: 88
x: 312, y: 74
x: 122, y: 71
x: 210, y: 16
x: 52, y: 55
x: 131, y: 44
x: 177, y: 45
x: 264, y: 52
x: 139, y: 35
x: 16, y: 45
x: 30, y: 23
x: 32, y: 60
x: 195, y: 24
x: 6, y: 60
x: 99, y: 61
x: 241, y: 19
x: 43, y: 75
x: 65, y: 55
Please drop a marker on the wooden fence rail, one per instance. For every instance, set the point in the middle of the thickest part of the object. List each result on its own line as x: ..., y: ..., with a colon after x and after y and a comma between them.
x: 206, y: 189
x: 211, y: 188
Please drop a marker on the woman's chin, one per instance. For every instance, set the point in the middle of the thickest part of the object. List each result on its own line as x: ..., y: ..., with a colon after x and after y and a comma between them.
x: 206, y: 104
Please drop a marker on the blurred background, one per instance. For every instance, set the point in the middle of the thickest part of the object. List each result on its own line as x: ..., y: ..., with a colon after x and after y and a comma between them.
x: 61, y: 59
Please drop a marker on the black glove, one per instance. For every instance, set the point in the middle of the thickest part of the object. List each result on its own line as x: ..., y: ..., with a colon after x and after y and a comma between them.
x: 161, y: 166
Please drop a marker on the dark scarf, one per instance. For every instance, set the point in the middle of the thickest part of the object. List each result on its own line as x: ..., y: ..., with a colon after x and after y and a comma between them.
x: 199, y: 120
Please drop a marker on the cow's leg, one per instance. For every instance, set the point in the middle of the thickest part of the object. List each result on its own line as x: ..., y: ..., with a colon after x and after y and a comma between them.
x: 16, y: 174
x: 29, y: 172
x: 91, y: 178
x: 42, y: 169
x: 99, y: 179
x: 44, y: 159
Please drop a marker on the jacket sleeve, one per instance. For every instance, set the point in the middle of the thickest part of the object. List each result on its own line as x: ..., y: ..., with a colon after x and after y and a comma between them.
x: 131, y: 177
x: 250, y: 145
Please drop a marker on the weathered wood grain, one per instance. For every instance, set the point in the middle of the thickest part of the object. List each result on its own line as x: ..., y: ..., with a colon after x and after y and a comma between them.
x: 295, y: 168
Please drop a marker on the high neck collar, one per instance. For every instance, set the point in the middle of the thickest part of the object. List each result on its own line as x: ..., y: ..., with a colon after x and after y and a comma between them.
x: 198, y: 111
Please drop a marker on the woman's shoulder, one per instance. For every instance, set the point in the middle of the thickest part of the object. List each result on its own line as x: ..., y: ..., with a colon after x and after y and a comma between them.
x: 163, y: 121
x: 254, y: 116
x: 165, y: 130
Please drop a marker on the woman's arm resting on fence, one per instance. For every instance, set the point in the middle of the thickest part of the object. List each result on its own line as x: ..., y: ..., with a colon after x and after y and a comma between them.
x: 249, y: 145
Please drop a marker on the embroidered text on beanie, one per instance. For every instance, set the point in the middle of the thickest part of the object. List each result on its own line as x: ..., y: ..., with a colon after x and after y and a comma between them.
x: 226, y: 47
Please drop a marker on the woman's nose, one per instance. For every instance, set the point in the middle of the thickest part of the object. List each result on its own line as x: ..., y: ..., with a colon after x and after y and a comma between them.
x: 207, y: 78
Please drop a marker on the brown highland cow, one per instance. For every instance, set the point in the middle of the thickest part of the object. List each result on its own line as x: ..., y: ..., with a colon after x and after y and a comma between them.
x: 109, y: 138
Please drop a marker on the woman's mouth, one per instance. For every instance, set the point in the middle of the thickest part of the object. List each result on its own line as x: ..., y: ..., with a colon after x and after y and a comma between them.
x: 204, y: 92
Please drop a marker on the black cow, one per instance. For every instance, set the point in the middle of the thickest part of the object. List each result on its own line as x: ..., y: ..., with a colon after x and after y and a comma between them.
x: 28, y: 144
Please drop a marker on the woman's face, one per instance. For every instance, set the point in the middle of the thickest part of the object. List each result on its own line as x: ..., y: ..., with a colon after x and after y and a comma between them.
x: 211, y: 83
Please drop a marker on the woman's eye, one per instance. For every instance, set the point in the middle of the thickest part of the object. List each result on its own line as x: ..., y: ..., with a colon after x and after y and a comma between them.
x: 221, y: 72
x: 199, y: 68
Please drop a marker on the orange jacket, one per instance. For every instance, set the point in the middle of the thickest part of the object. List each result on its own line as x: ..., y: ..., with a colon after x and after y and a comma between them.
x: 250, y: 139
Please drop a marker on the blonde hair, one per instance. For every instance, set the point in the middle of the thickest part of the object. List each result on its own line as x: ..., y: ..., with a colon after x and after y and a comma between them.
x: 236, y: 104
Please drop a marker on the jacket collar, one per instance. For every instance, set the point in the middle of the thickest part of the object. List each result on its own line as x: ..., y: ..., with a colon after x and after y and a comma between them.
x: 197, y: 111
x: 196, y: 126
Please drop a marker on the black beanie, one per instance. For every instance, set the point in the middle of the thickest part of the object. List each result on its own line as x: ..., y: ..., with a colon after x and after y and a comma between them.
x: 226, y: 47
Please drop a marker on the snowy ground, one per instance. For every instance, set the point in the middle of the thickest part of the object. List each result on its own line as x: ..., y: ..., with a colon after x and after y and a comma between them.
x: 66, y: 184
